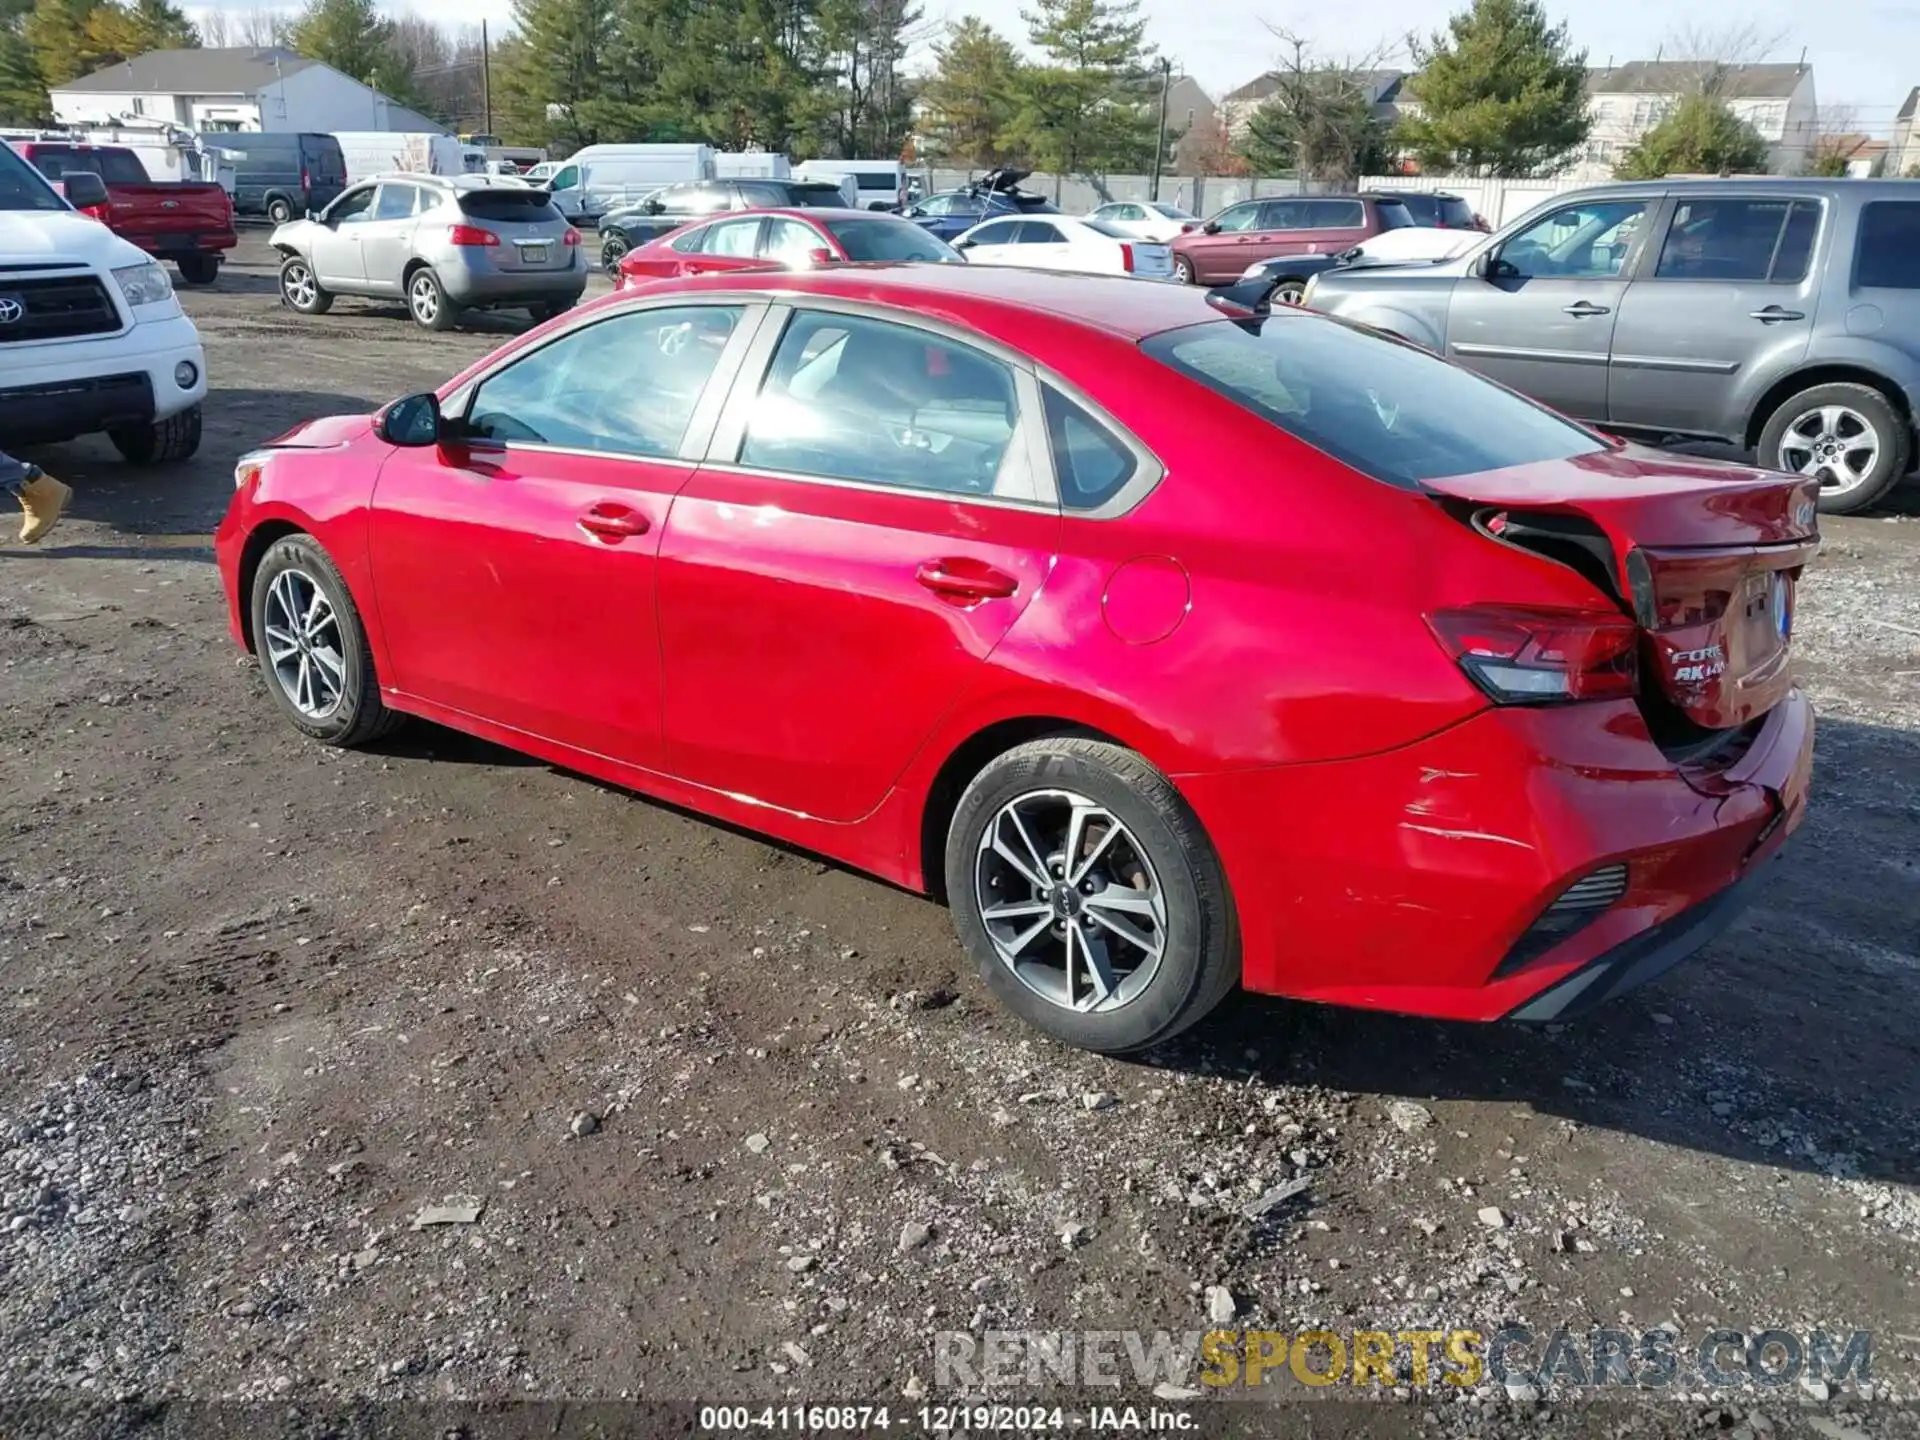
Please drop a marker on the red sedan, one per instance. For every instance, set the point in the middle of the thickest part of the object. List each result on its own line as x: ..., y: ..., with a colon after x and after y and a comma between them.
x: 786, y: 239
x: 1172, y: 646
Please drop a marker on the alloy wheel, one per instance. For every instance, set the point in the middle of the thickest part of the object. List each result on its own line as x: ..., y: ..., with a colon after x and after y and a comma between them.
x: 1070, y: 901
x: 298, y: 285
x: 425, y: 299
x: 303, y: 644
x: 1290, y: 292
x: 1834, y: 442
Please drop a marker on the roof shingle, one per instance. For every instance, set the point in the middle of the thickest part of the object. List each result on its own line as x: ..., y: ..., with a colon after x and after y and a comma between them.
x: 243, y: 70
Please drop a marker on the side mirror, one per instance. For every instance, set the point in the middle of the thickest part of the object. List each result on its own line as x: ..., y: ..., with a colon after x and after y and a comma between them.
x: 964, y: 245
x: 1492, y: 267
x: 821, y: 255
x: 412, y: 421
x: 84, y: 190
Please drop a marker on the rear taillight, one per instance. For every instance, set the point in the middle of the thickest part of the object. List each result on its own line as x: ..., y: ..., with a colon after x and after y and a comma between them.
x: 571, y: 238
x: 1126, y: 258
x: 1542, y: 657
x: 471, y: 235
x: 306, y: 181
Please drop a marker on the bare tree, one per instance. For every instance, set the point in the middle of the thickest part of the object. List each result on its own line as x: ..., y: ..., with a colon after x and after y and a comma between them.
x: 1709, y: 53
x: 215, y: 33
x: 1320, y: 121
x: 1837, y: 141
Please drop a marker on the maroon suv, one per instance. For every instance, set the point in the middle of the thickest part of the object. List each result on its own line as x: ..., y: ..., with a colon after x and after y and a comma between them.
x: 1219, y: 251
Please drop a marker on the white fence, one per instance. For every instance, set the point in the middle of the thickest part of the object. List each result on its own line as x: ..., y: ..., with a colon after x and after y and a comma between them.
x: 1498, y: 200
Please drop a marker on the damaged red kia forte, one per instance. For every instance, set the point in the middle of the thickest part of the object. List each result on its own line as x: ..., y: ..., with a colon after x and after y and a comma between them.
x: 1172, y: 647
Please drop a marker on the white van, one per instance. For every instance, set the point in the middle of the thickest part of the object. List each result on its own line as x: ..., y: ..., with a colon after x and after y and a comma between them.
x: 413, y: 152
x: 751, y: 165
x: 880, y: 184
x: 600, y: 178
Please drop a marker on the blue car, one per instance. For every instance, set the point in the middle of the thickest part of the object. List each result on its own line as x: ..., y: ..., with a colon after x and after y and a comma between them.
x: 952, y: 213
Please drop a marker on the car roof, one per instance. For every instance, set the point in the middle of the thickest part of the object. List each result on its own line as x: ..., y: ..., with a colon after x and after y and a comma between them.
x: 1751, y: 185
x: 996, y: 299
x: 800, y: 212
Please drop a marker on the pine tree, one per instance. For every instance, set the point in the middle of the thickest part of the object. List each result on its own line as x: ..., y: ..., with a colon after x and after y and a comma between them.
x: 56, y: 33
x: 970, y: 98
x: 1087, y: 109
x: 1500, y: 94
x: 1700, y: 136
x: 355, y: 39
x: 118, y: 32
x: 551, y: 82
x: 23, y: 95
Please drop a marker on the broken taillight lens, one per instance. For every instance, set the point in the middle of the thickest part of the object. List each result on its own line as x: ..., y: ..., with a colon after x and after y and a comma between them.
x: 1542, y: 657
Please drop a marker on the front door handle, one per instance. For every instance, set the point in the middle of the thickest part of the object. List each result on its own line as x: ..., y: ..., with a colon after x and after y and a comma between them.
x: 1581, y: 309
x: 965, y: 582
x: 613, y: 523
x: 1773, y: 313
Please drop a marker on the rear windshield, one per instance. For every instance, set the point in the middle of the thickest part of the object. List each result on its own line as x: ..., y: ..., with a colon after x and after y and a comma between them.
x: 823, y: 197
x: 1455, y: 212
x: 1394, y: 215
x: 322, y: 155
x: 21, y: 188
x: 509, y: 205
x: 881, y: 239
x: 1388, y: 410
x: 876, y: 180
x: 115, y: 167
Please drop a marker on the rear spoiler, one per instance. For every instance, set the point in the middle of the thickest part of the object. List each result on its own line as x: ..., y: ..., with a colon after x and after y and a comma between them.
x: 1249, y: 297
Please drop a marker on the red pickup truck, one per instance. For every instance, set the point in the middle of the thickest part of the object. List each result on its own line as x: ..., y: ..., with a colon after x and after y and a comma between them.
x: 189, y: 222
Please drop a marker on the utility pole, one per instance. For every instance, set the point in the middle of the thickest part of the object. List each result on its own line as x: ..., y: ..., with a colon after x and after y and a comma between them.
x: 1160, y: 140
x: 486, y: 81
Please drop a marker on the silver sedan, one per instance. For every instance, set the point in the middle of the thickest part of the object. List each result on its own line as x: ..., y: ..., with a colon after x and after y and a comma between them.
x: 442, y: 243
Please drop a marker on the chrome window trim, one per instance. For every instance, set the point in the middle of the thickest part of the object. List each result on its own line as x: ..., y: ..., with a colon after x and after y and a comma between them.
x: 696, y: 439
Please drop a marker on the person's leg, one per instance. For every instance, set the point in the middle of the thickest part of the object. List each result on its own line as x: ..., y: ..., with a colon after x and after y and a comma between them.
x: 41, y: 497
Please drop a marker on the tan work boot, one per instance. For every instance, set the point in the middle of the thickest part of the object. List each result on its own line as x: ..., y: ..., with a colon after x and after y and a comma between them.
x: 43, y: 498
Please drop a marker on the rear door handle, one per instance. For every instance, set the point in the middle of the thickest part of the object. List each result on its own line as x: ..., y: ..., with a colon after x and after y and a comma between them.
x: 1773, y: 313
x: 965, y: 582
x: 613, y: 523
x: 1581, y: 309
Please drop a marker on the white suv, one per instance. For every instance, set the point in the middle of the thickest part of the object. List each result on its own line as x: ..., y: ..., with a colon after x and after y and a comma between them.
x: 91, y: 336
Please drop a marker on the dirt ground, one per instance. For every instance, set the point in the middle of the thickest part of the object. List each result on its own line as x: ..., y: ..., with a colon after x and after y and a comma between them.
x: 265, y: 1002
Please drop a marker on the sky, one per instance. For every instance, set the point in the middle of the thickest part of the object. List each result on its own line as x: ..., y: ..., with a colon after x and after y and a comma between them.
x: 1865, y: 53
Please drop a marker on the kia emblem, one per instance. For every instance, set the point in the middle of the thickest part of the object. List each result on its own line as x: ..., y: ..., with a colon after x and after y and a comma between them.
x: 11, y: 310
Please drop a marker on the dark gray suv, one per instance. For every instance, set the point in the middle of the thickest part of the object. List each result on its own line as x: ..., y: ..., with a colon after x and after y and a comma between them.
x: 1782, y: 315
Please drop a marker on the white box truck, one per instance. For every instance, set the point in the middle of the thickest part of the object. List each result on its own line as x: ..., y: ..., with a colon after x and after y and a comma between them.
x: 415, y: 152
x: 600, y: 178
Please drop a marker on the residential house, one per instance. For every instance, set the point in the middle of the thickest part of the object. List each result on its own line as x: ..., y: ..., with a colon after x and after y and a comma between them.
x: 1903, y: 153
x: 1628, y: 100
x: 239, y: 89
x: 1384, y: 91
x: 1865, y: 156
x: 1191, y: 115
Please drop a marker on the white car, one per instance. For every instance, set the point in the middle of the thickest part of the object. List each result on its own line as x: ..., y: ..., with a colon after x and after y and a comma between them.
x: 1060, y: 242
x: 91, y: 336
x: 1156, y: 220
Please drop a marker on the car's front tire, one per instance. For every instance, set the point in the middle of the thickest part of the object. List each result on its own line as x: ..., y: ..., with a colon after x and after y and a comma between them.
x: 312, y: 646
x: 1849, y: 435
x: 300, y: 288
x: 1088, y: 895
x: 427, y: 302
x: 163, y: 442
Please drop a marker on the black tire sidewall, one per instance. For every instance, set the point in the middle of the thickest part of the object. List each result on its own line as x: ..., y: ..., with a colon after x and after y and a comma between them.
x: 1896, y: 437
x: 299, y: 552
x: 1163, y: 1008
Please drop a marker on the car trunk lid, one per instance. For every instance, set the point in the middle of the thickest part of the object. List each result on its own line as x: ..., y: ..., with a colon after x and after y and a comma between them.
x: 1704, y: 556
x: 532, y: 233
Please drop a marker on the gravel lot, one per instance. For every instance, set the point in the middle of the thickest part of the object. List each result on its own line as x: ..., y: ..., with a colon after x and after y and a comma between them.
x: 742, y: 1126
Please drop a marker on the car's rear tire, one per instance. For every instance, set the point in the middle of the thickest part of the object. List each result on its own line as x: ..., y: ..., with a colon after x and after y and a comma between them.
x: 1145, y: 887
x: 199, y: 269
x: 313, y: 648
x: 1850, y: 435
x: 1183, y: 269
x: 613, y: 249
x: 164, y: 442
x: 427, y: 302
x: 279, y: 210
x: 300, y: 288
x: 550, y: 310
x: 1290, y: 292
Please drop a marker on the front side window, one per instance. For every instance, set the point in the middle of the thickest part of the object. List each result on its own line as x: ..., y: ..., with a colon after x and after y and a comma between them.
x: 938, y: 206
x: 856, y: 399
x: 626, y: 386
x: 997, y: 232
x: 21, y: 188
x: 1388, y: 410
x: 1887, y: 256
x: 1590, y: 241
x: 567, y: 178
x: 396, y: 202
x: 352, y: 208
x: 1238, y: 217
x: 1753, y: 239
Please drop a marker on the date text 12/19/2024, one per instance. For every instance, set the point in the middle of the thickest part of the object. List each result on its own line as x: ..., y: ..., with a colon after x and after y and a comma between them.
x: 944, y: 1419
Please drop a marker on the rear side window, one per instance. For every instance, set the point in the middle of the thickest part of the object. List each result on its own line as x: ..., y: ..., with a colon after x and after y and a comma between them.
x: 509, y: 205
x: 1112, y: 232
x: 1749, y: 239
x: 885, y: 239
x: 1089, y: 460
x: 1335, y: 215
x: 1039, y: 232
x: 1388, y: 410
x: 1888, y: 253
